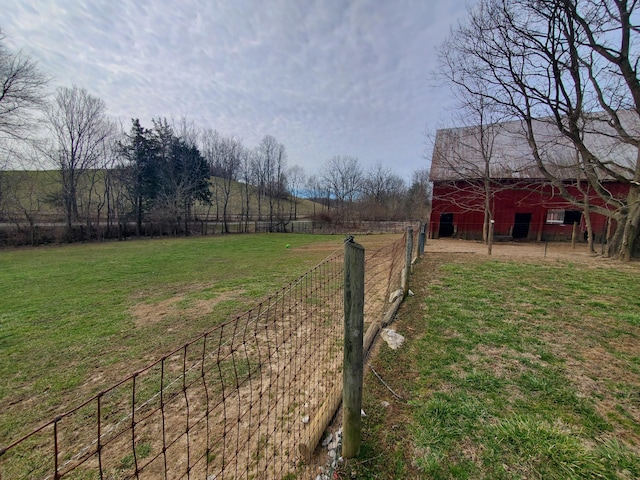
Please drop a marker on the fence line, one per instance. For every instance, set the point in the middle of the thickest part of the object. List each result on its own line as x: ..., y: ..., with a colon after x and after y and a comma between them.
x: 233, y: 403
x: 17, y: 233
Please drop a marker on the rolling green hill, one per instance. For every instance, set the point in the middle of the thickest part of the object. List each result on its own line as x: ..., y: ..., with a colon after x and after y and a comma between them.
x: 37, y: 194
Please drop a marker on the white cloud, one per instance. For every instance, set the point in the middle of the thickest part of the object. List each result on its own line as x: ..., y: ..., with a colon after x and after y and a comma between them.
x: 323, y: 77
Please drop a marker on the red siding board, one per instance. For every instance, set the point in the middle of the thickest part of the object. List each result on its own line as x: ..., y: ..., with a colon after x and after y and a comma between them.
x: 465, y: 204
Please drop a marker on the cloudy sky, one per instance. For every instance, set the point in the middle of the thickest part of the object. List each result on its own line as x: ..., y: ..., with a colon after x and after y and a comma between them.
x: 325, y: 77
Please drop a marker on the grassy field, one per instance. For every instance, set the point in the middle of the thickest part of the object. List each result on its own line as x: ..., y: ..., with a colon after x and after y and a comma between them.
x: 510, y: 370
x: 74, y: 319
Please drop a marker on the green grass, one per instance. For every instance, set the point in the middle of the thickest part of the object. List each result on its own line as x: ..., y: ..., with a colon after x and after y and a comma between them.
x: 511, y: 370
x: 75, y: 319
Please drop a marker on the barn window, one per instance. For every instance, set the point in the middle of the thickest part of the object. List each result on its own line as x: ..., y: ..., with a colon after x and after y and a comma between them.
x: 563, y: 217
x: 555, y: 216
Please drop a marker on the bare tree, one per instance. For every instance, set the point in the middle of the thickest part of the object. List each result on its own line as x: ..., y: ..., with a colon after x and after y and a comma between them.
x: 103, y: 189
x: 296, y: 178
x: 208, y: 149
x: 91, y: 197
x: 22, y: 92
x: 224, y: 155
x: 383, y: 193
x: 344, y: 176
x: 471, y: 156
x: 573, y: 66
x: 419, y: 195
x: 25, y: 194
x: 465, y: 161
x: 78, y: 128
x: 270, y: 167
x: 22, y: 95
x: 246, y: 178
x: 186, y: 130
x: 315, y: 191
x: 259, y: 181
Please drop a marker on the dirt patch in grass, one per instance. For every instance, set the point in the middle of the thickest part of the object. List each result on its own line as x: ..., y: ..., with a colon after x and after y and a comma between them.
x: 503, y: 362
x: 146, y: 314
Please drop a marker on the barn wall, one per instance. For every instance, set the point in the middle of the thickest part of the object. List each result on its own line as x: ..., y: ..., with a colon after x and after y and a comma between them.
x: 520, y: 202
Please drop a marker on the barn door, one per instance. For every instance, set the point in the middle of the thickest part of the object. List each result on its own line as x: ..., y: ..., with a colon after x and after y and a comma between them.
x: 446, y: 225
x: 521, y: 225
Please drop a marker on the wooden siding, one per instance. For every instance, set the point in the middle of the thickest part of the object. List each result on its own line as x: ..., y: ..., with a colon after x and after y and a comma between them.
x: 536, y: 199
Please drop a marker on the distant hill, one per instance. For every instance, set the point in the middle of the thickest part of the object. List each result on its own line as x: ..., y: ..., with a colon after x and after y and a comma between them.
x: 37, y: 194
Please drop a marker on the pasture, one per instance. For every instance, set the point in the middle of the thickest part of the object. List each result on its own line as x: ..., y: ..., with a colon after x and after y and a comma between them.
x: 524, y: 365
x: 515, y: 367
x: 75, y: 319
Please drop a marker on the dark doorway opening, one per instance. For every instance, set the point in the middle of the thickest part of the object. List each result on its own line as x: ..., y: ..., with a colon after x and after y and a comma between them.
x: 521, y: 225
x: 446, y: 225
x: 572, y: 216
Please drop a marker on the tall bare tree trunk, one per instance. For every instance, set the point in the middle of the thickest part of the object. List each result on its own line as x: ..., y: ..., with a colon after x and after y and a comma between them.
x: 631, y: 225
x: 587, y: 222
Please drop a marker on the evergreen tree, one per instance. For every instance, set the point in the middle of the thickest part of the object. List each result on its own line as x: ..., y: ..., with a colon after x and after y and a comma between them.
x: 142, y: 171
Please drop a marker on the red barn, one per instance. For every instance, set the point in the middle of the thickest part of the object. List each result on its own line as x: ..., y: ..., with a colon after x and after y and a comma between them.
x: 491, y: 169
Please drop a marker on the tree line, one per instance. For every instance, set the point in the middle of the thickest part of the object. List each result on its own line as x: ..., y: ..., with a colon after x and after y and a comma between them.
x: 64, y: 160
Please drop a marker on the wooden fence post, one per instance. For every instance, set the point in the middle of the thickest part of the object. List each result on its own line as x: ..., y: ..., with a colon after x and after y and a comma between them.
x: 407, y: 263
x: 421, y: 239
x: 353, y: 348
x: 492, y: 223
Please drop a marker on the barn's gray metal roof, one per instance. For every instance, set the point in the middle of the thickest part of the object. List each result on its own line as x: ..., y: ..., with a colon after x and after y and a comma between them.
x: 457, y: 152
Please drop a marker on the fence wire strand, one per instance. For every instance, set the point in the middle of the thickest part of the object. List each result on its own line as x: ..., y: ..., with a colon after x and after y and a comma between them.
x: 233, y: 403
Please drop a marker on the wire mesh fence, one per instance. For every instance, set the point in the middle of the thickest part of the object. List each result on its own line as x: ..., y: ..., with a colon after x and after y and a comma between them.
x: 383, y: 268
x: 233, y: 403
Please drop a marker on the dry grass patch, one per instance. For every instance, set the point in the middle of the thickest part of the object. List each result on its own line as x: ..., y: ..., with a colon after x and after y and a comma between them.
x: 179, y: 306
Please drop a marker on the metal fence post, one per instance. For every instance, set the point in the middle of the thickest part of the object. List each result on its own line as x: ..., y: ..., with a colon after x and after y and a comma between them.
x: 353, y: 348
